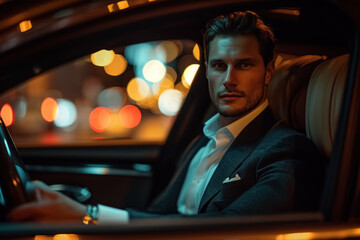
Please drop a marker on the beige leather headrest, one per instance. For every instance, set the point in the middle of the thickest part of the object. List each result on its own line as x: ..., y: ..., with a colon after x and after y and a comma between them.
x: 323, y: 102
x: 287, y: 89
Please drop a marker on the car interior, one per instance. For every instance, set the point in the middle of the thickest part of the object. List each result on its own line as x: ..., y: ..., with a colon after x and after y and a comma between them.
x: 310, y: 92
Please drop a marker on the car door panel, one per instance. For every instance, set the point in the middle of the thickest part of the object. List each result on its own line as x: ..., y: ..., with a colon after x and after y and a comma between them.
x: 115, y: 176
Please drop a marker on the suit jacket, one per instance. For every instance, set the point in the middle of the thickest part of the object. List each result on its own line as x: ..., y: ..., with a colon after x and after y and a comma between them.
x: 281, y: 170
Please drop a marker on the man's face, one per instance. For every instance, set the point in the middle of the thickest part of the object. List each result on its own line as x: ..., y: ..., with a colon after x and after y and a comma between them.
x: 237, y: 75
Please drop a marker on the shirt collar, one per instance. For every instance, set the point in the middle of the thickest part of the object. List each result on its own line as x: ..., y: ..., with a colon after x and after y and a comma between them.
x: 213, y: 124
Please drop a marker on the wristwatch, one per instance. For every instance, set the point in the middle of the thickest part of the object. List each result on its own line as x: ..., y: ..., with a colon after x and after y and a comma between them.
x: 91, y: 216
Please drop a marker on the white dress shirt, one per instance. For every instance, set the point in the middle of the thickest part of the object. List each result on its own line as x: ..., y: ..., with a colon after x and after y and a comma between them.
x: 201, y: 168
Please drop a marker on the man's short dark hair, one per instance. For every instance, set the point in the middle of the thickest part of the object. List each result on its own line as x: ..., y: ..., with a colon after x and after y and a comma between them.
x: 241, y: 23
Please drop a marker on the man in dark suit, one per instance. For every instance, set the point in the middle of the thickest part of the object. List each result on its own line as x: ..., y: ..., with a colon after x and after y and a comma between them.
x: 245, y: 163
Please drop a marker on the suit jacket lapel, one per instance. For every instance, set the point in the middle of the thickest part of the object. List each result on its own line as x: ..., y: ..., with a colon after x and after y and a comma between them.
x: 237, y: 153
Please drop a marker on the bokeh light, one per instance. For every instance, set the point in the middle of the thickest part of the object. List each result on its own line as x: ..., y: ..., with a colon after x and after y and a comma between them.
x: 167, y: 50
x: 152, y: 94
x: 66, y: 237
x: 138, y: 54
x: 102, y: 57
x: 165, y: 84
x: 196, y: 52
x: 7, y: 114
x: 138, y: 89
x: 112, y: 7
x: 130, y: 116
x: 112, y: 98
x: 117, y: 66
x: 154, y: 71
x: 43, y: 237
x: 116, y: 128
x: 66, y: 113
x: 123, y: 5
x: 171, y: 71
x: 21, y: 107
x: 170, y: 102
x: 148, y: 103
x: 49, y: 108
x: 189, y: 74
x: 99, y: 119
x: 25, y: 25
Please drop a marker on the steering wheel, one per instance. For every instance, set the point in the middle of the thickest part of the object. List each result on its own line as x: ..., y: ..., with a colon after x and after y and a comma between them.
x: 13, y: 175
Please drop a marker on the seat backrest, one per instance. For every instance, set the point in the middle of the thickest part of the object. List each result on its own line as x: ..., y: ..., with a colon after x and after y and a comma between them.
x: 287, y: 89
x: 323, y: 102
x: 306, y: 94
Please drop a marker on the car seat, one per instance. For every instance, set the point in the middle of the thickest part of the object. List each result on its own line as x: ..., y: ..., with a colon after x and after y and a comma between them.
x: 306, y: 94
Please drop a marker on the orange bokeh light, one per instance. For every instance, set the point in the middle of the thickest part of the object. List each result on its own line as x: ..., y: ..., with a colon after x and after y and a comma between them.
x: 99, y: 119
x: 130, y: 116
x: 49, y: 109
x: 7, y: 114
x: 25, y: 25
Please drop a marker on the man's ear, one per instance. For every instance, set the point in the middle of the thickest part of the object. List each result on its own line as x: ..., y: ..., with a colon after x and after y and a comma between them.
x: 270, y: 69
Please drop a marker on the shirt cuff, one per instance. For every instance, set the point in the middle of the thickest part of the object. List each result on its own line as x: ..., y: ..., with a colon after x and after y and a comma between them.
x: 110, y: 215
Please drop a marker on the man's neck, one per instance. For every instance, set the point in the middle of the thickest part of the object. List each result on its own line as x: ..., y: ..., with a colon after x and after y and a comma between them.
x: 224, y: 121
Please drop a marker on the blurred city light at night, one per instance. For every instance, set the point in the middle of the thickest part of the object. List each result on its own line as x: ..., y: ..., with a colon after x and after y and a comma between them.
x: 165, y: 84
x: 49, y: 109
x: 21, y: 108
x: 129, y: 92
x: 196, y: 52
x: 112, y: 98
x: 7, y: 114
x: 66, y: 113
x: 189, y: 74
x: 167, y: 51
x: 99, y: 119
x: 138, y: 89
x: 154, y: 71
x: 130, y: 116
x: 117, y: 66
x: 139, y: 54
x: 170, y: 102
x: 102, y: 57
x: 171, y: 72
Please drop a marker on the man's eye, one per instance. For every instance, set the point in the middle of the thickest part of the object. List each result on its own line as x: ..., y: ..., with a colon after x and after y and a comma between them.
x: 218, y: 66
x: 244, y: 66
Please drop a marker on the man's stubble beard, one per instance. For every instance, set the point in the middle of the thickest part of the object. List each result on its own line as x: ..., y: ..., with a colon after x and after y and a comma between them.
x: 250, y: 104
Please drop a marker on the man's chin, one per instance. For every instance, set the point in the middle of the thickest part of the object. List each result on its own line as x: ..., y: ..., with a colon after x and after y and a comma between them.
x: 238, y: 110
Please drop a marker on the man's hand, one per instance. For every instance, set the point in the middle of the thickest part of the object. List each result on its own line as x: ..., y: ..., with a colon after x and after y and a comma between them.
x: 47, y: 206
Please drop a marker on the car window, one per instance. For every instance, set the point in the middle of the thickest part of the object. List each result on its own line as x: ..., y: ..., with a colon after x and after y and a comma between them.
x: 132, y: 92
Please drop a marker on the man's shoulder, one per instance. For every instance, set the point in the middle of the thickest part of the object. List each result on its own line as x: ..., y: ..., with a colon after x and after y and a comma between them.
x: 282, y: 130
x: 282, y: 142
x: 281, y: 135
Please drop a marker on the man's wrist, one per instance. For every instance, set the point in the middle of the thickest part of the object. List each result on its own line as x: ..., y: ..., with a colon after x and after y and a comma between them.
x: 110, y: 215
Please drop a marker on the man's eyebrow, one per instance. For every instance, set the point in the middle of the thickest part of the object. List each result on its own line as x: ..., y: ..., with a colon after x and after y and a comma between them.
x: 216, y: 60
x: 246, y: 59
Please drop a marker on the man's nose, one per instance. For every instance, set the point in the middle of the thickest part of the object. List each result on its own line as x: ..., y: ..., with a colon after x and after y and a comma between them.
x: 230, y: 77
